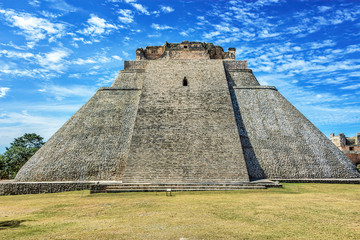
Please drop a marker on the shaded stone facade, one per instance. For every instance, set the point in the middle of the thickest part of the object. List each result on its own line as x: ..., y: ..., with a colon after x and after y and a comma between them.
x: 187, y: 113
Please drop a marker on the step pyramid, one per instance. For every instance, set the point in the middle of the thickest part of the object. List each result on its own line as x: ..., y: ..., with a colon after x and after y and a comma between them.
x: 187, y: 113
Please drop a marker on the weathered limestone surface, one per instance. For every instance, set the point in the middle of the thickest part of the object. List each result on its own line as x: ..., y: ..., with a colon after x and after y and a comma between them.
x: 185, y: 133
x: 92, y: 145
x: 285, y: 144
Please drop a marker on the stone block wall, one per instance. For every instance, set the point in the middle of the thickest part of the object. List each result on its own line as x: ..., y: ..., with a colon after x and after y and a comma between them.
x: 241, y: 77
x: 129, y: 79
x: 185, y: 133
x: 285, y: 143
x: 235, y: 65
x: 339, y: 140
x: 350, y: 146
x: 92, y: 145
x: 16, y: 188
x: 129, y: 65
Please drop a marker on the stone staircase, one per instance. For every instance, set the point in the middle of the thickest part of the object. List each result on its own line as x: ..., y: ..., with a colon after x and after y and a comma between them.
x: 117, y: 187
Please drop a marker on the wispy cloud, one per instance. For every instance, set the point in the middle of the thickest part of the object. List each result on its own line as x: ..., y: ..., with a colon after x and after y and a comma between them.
x: 13, y: 54
x: 161, y: 27
x: 3, y: 91
x: 34, y: 3
x: 141, y: 8
x: 117, y: 57
x: 62, y: 5
x: 100, y: 58
x: 77, y: 39
x: 354, y: 86
x: 54, y: 60
x: 126, y: 16
x: 167, y: 9
x: 323, y: 8
x: 32, y: 27
x: 61, y: 92
x: 97, y: 26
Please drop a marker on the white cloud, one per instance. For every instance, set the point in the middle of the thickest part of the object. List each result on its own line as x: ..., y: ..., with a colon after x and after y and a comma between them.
x: 11, y: 44
x: 117, y: 57
x: 13, y: 54
x: 167, y: 9
x: 324, y: 8
x: 33, y: 72
x: 97, y: 26
x: 156, y: 35
x: 107, y: 79
x: 82, y: 40
x: 352, y: 48
x: 61, y: 5
x: 211, y: 34
x: 101, y: 58
x: 354, y: 74
x: 127, y: 16
x: 354, y: 86
x: 325, y: 43
x: 61, y: 92
x: 35, y: 3
x: 160, y: 27
x: 54, y: 60
x: 125, y: 54
x: 266, y: 34
x: 33, y: 28
x: 140, y: 8
x: 50, y: 14
x: 81, y: 61
x: 3, y: 91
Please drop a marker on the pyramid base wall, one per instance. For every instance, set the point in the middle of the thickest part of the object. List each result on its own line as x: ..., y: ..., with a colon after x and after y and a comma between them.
x: 19, y: 188
x: 323, y: 180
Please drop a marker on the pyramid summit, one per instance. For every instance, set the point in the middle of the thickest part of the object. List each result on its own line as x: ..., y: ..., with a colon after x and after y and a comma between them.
x: 187, y: 113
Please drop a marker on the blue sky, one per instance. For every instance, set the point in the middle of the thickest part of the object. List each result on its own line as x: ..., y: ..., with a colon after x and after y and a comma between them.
x: 54, y: 54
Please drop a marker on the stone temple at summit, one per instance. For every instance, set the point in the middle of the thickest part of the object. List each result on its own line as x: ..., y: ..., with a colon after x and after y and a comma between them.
x: 187, y: 113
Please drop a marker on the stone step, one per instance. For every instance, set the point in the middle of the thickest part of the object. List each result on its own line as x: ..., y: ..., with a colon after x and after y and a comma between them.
x: 103, y: 188
x: 180, y: 189
x: 112, y: 187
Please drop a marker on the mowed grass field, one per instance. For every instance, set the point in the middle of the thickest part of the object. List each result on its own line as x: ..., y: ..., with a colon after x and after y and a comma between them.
x: 298, y: 211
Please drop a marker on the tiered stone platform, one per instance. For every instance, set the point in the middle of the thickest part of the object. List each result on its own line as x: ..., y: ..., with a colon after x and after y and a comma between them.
x: 14, y: 188
x: 117, y: 187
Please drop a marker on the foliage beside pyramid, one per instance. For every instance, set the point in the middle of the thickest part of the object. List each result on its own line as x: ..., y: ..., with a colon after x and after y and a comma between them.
x: 187, y: 113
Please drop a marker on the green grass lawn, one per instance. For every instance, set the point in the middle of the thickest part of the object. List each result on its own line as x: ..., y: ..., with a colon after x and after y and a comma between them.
x: 298, y: 211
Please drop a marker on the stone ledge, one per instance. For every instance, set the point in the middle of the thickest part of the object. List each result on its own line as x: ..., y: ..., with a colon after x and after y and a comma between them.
x: 257, y: 87
x: 118, y: 89
x: 135, y: 70
x: 324, y: 180
x: 240, y: 70
x: 102, y: 187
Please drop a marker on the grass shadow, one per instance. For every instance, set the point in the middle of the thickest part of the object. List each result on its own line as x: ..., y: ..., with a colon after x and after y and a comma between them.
x: 10, y: 224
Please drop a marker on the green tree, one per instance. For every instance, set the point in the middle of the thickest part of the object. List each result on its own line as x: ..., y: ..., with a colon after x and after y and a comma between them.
x: 19, y: 152
x: 3, y: 174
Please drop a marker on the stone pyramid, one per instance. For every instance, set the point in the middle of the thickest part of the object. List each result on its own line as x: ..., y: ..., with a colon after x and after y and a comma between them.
x: 187, y: 113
